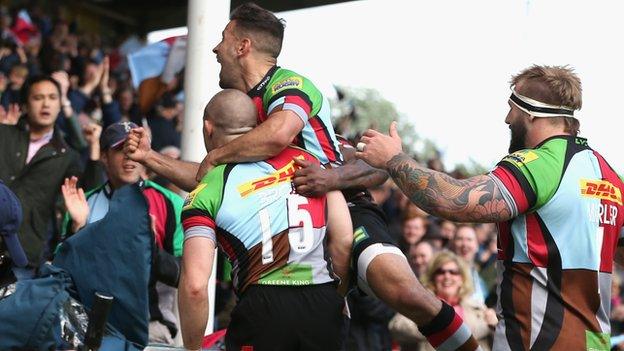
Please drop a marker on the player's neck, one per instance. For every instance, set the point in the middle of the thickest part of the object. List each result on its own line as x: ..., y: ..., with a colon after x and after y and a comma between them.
x: 255, y: 71
x: 540, y: 134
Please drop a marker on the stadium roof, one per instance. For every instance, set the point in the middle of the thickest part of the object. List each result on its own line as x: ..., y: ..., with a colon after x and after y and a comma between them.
x: 149, y: 15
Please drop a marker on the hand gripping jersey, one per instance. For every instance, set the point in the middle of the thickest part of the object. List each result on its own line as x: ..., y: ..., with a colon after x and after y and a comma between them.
x: 556, y: 255
x: 281, y: 89
x: 272, y: 235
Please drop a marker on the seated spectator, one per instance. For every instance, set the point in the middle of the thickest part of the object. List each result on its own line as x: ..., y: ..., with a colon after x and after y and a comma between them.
x: 449, y: 279
x: 465, y: 246
x: 419, y: 256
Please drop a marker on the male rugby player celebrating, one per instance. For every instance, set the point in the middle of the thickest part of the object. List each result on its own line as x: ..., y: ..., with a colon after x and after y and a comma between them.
x: 559, y: 210
x: 275, y: 239
x: 292, y: 110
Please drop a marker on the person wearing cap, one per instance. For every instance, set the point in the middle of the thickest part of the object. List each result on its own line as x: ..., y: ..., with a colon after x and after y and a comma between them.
x: 34, y: 160
x: 10, y: 221
x: 559, y: 209
x: 165, y: 208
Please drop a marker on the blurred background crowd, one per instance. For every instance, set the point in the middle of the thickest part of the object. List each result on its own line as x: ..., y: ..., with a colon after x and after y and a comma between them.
x: 454, y: 260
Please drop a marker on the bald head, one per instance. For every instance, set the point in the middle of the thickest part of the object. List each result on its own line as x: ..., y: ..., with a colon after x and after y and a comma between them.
x: 230, y: 113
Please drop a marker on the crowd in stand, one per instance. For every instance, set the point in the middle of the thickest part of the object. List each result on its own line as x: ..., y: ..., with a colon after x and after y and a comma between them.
x: 455, y: 260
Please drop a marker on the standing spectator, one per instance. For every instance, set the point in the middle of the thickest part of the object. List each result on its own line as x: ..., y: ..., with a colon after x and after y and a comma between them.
x: 419, y: 255
x: 465, y: 246
x: 164, y: 123
x: 165, y: 209
x: 447, y: 229
x: 413, y: 229
x: 449, y: 278
x: 17, y: 77
x: 34, y: 160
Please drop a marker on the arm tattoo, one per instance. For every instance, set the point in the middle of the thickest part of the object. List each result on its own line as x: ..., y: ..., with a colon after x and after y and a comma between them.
x: 476, y: 199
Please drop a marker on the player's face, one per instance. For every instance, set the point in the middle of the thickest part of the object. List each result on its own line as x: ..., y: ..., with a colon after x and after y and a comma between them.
x: 227, y: 57
x: 120, y: 169
x: 517, y: 121
x: 447, y: 280
x: 44, y: 104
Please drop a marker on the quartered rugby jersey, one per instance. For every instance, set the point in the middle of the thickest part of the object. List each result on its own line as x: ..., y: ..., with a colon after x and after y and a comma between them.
x: 270, y: 234
x: 281, y: 89
x: 556, y: 256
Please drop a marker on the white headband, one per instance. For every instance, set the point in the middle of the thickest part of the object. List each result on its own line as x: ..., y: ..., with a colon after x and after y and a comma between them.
x: 538, y: 108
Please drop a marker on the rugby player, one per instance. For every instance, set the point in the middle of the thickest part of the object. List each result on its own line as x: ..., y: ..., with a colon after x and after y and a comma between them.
x: 274, y: 238
x: 559, y: 210
x: 292, y: 110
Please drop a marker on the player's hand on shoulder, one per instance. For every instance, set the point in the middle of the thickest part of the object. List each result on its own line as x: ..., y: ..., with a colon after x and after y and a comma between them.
x: 205, y: 166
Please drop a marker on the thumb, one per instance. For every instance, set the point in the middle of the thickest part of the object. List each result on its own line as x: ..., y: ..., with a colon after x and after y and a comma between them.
x: 393, y: 130
x: 301, y: 162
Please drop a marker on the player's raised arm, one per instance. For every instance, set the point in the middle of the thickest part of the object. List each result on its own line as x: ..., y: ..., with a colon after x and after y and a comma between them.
x: 476, y: 199
x: 181, y: 173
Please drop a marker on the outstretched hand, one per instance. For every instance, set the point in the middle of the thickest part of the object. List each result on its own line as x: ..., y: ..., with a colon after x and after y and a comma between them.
x: 312, y: 180
x: 76, y: 203
x: 377, y: 149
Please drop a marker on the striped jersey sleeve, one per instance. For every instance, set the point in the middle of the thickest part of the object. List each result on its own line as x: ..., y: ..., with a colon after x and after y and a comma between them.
x: 289, y: 91
x: 529, y: 178
x: 202, y: 204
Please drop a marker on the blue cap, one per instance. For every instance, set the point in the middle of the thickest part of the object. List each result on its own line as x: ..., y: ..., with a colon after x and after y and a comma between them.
x: 10, y: 221
x: 116, y: 134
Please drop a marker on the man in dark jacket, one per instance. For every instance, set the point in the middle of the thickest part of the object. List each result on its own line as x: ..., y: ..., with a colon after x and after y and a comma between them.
x: 34, y: 161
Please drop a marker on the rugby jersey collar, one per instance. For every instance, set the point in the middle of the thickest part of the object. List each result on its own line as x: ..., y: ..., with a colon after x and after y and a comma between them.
x: 259, y: 88
x: 568, y: 137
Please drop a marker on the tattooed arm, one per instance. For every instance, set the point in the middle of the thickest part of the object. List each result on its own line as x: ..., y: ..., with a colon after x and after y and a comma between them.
x: 476, y: 199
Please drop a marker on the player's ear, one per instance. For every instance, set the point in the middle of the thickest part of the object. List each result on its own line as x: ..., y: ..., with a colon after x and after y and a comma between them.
x: 244, y: 47
x: 208, y: 127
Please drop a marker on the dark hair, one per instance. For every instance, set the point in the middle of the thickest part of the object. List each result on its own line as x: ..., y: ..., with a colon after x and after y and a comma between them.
x: 25, y: 91
x: 263, y: 25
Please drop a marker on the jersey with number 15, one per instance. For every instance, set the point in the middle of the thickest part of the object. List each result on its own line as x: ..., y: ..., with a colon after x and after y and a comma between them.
x: 270, y: 234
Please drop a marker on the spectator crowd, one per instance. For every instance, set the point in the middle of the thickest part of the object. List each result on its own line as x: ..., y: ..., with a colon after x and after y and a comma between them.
x: 51, y: 153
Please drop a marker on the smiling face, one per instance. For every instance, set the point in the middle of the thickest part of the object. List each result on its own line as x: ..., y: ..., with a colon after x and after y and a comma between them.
x: 413, y: 230
x: 43, y: 105
x: 227, y: 57
x: 447, y: 281
x: 120, y: 169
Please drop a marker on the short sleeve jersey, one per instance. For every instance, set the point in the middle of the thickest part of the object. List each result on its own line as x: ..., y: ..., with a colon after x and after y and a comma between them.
x: 280, y: 90
x: 270, y: 234
x: 556, y: 255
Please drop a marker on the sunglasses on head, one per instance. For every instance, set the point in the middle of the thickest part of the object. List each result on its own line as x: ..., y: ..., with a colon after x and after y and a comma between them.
x: 441, y: 271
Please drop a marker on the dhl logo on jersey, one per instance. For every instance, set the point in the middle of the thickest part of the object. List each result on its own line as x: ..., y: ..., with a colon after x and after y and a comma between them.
x: 601, y: 189
x: 281, y: 175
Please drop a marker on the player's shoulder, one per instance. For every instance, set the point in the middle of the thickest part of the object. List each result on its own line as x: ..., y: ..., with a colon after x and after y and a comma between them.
x: 549, y: 154
x: 210, y: 184
x: 285, y: 79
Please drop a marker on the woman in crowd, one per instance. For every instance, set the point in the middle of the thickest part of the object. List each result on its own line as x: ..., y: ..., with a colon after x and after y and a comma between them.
x: 449, y: 278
